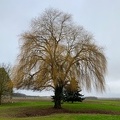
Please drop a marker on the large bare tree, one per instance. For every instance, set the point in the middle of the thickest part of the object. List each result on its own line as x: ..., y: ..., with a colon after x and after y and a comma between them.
x: 55, y: 51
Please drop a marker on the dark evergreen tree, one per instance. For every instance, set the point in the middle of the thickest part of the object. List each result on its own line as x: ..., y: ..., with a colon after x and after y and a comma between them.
x: 72, y: 96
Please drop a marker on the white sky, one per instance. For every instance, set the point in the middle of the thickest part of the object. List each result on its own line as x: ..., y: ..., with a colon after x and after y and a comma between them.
x: 100, y: 17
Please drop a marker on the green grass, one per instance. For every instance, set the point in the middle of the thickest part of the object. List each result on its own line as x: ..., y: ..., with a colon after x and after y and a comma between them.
x: 9, y: 111
x: 12, y: 109
x: 103, y: 105
x: 70, y: 117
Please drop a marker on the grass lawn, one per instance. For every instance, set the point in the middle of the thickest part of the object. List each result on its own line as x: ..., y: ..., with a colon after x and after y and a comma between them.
x: 95, y: 105
x: 70, y: 117
x: 92, y: 109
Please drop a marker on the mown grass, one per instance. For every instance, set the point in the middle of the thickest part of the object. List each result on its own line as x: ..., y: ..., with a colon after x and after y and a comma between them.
x: 9, y: 111
x: 70, y: 117
x: 12, y: 109
x: 101, y: 105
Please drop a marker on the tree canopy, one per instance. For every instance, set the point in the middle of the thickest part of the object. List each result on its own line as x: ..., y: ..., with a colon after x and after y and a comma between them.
x: 54, y: 52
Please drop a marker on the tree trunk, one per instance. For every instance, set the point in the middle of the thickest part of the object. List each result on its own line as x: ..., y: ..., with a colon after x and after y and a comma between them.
x: 0, y: 99
x: 58, y: 97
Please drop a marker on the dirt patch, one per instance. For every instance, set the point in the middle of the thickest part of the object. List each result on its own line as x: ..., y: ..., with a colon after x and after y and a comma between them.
x: 48, y: 111
x: 40, y: 112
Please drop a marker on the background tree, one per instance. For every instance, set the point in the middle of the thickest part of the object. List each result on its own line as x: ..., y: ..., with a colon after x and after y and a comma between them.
x: 73, y: 96
x: 6, y: 85
x: 72, y: 91
x: 54, y: 51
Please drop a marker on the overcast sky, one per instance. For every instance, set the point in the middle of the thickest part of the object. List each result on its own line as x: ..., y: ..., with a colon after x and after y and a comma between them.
x: 100, y: 17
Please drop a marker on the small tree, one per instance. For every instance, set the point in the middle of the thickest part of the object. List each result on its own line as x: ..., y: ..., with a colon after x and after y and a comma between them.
x: 54, y: 51
x: 72, y: 91
x: 72, y: 96
x: 6, y: 85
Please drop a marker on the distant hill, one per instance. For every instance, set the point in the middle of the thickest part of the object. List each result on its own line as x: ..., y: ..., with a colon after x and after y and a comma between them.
x: 18, y: 95
x: 91, y: 97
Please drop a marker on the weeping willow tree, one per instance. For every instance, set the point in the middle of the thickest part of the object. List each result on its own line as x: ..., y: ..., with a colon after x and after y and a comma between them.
x: 55, y: 51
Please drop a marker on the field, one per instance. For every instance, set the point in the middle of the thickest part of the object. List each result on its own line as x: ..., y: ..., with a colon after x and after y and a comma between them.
x: 35, y: 109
